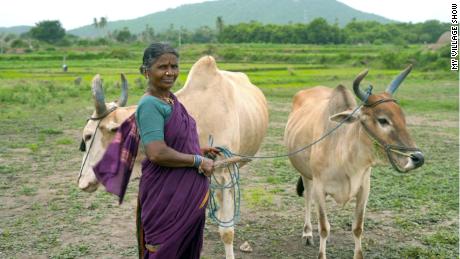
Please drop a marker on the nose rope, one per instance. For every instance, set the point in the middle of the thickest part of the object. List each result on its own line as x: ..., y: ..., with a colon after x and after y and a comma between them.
x: 99, y: 119
x: 89, y: 149
x: 390, y: 148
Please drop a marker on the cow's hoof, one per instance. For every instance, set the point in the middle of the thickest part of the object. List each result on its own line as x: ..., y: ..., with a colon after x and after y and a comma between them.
x: 309, y: 241
x: 321, y: 256
x: 358, y: 255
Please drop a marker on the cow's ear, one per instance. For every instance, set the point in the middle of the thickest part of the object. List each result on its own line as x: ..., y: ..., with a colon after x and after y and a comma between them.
x: 346, y: 116
x: 112, y: 126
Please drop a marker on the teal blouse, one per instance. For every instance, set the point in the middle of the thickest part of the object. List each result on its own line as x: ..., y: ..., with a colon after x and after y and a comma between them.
x: 151, y: 116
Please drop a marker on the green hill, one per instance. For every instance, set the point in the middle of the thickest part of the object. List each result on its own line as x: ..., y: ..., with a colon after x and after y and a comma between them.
x: 192, y: 16
x: 15, y: 29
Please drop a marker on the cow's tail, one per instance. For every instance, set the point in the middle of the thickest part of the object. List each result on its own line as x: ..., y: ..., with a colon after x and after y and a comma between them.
x: 300, y: 187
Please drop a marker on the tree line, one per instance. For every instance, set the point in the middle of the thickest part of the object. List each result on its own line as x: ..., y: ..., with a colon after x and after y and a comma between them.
x: 318, y: 31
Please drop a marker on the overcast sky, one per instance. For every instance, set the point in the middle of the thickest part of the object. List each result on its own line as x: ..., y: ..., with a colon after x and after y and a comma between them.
x: 74, y: 14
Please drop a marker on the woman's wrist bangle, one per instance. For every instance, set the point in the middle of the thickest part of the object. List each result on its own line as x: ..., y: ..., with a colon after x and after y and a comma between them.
x: 197, y: 160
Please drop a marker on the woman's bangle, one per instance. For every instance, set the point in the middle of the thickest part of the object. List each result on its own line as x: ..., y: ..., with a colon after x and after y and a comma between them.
x: 200, y: 166
x: 197, y: 160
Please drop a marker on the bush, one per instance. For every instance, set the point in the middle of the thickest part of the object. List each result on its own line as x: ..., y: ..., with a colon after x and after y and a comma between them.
x: 101, y: 41
x: 83, y: 42
x: 18, y: 43
x: 392, y: 59
x: 64, y: 42
x: 120, y: 53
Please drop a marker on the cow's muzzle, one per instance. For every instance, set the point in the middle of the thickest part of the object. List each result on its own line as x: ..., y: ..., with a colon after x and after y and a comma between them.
x: 418, y: 159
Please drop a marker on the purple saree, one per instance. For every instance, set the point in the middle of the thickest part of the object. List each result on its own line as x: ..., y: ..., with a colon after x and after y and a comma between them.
x: 172, y: 199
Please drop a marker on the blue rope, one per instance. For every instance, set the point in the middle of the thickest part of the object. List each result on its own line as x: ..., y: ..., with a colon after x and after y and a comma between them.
x: 368, y: 93
x: 234, y: 184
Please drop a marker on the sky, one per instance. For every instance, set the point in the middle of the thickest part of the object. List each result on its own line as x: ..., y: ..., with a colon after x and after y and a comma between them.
x: 82, y: 12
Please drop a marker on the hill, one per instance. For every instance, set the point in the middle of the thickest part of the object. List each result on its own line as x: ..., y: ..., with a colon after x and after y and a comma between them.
x: 192, y: 16
x: 15, y: 29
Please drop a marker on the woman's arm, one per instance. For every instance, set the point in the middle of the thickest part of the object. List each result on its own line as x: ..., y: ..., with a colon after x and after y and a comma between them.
x: 159, y: 153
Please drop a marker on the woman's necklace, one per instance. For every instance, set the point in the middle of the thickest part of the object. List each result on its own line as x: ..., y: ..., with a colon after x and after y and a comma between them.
x: 167, y: 100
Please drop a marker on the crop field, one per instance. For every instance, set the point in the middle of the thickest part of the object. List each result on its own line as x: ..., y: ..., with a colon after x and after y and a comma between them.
x: 43, y: 214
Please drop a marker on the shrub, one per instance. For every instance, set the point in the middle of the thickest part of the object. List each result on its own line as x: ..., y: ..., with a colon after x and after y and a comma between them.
x: 120, y: 53
x: 18, y: 43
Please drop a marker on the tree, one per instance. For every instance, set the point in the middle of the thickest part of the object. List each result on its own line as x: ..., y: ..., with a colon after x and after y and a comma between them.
x: 148, y: 34
x: 124, y: 35
x: 48, y: 31
x: 319, y: 31
x: 219, y: 25
x: 431, y: 30
x: 103, y: 24
x: 95, y: 23
x: 203, y: 34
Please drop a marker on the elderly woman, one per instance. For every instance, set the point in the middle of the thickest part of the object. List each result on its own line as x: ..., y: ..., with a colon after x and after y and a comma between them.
x: 173, y: 189
x: 172, y: 192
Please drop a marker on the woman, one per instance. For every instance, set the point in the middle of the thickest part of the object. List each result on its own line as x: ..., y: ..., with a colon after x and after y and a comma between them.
x: 173, y: 190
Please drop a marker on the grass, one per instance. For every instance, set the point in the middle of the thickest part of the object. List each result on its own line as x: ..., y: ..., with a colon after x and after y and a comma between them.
x: 44, y: 214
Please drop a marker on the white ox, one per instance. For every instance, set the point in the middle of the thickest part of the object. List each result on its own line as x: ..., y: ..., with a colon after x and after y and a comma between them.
x: 340, y: 165
x: 224, y: 104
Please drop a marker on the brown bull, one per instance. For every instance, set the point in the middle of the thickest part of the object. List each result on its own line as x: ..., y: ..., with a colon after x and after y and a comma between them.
x: 340, y: 165
x: 224, y: 104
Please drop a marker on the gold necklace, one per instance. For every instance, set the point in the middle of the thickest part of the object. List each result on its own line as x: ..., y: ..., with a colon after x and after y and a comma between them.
x: 168, y: 100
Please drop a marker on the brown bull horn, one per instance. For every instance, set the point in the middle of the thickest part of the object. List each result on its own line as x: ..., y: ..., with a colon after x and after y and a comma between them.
x: 124, y: 91
x: 98, y: 95
x: 358, y: 92
x: 398, y: 80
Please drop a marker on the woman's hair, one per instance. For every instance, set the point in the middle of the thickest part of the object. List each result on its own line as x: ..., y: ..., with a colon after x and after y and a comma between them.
x: 153, y: 52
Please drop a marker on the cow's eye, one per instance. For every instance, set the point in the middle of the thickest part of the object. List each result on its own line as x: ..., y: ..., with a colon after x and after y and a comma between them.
x: 87, y: 137
x: 383, y: 121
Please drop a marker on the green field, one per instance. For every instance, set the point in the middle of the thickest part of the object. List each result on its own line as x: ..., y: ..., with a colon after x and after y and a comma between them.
x: 42, y: 112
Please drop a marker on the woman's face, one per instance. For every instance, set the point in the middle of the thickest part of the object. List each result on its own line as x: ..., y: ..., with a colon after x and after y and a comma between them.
x: 163, y: 73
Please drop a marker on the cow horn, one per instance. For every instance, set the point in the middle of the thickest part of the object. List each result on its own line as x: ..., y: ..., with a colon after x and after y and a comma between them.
x: 398, y: 80
x: 98, y: 95
x: 124, y: 91
x: 358, y: 92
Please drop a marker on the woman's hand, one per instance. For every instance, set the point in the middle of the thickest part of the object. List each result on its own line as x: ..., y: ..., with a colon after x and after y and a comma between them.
x: 207, y: 166
x: 211, y: 152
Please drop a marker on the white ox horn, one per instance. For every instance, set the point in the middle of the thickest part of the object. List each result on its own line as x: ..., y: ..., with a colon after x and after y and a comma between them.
x: 124, y: 92
x: 98, y: 95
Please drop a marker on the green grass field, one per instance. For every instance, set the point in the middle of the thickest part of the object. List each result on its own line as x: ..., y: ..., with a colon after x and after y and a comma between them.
x: 42, y: 112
